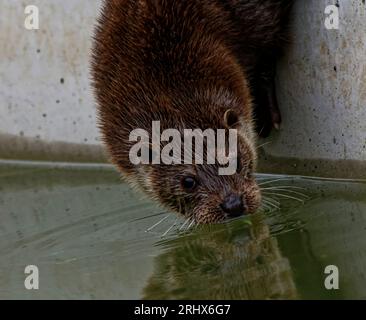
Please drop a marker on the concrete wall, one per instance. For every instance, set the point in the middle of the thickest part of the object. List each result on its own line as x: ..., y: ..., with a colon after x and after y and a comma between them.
x: 47, y: 111
x: 46, y: 105
x: 322, y: 94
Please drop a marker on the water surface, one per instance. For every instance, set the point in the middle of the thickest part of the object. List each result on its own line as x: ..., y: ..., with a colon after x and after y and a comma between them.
x: 91, y: 236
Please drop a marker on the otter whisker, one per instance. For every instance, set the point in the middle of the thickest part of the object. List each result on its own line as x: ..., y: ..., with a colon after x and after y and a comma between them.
x: 196, y: 225
x: 286, y: 196
x: 270, y: 204
x: 289, y: 191
x: 271, y: 207
x: 187, y: 225
x: 266, y: 207
x: 150, y: 216
x: 184, y: 224
x: 285, y: 187
x: 170, y: 228
x: 191, y: 224
x: 159, y: 222
x: 272, y: 181
x: 270, y: 200
x: 263, y: 144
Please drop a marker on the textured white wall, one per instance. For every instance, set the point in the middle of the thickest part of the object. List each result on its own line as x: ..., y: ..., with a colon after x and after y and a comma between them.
x: 45, y: 92
x: 322, y: 85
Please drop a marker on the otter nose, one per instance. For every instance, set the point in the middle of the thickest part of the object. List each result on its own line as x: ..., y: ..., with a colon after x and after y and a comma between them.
x: 233, y: 205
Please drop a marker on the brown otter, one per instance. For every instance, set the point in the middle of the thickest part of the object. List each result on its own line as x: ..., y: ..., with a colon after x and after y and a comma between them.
x: 189, y: 64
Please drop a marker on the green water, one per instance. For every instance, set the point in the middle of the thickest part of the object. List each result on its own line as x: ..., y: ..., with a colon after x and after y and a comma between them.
x: 91, y: 236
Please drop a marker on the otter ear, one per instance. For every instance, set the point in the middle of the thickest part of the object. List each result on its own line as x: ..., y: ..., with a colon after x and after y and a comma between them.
x: 231, y: 119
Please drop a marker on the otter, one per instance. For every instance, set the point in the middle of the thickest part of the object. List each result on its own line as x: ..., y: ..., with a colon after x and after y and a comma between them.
x: 207, y: 64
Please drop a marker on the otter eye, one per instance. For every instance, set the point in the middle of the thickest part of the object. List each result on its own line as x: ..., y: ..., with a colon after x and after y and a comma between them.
x: 189, y: 183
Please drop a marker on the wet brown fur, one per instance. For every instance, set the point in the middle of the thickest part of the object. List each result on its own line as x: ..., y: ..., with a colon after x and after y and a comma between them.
x: 186, y: 63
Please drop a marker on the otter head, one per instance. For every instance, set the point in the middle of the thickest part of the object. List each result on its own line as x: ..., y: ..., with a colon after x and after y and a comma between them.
x: 199, y: 191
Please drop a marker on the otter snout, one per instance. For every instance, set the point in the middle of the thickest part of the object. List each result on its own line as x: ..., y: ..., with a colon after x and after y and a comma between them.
x: 233, y: 206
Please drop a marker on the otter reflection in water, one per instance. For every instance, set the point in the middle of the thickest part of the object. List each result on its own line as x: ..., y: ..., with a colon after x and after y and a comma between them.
x: 231, y: 261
